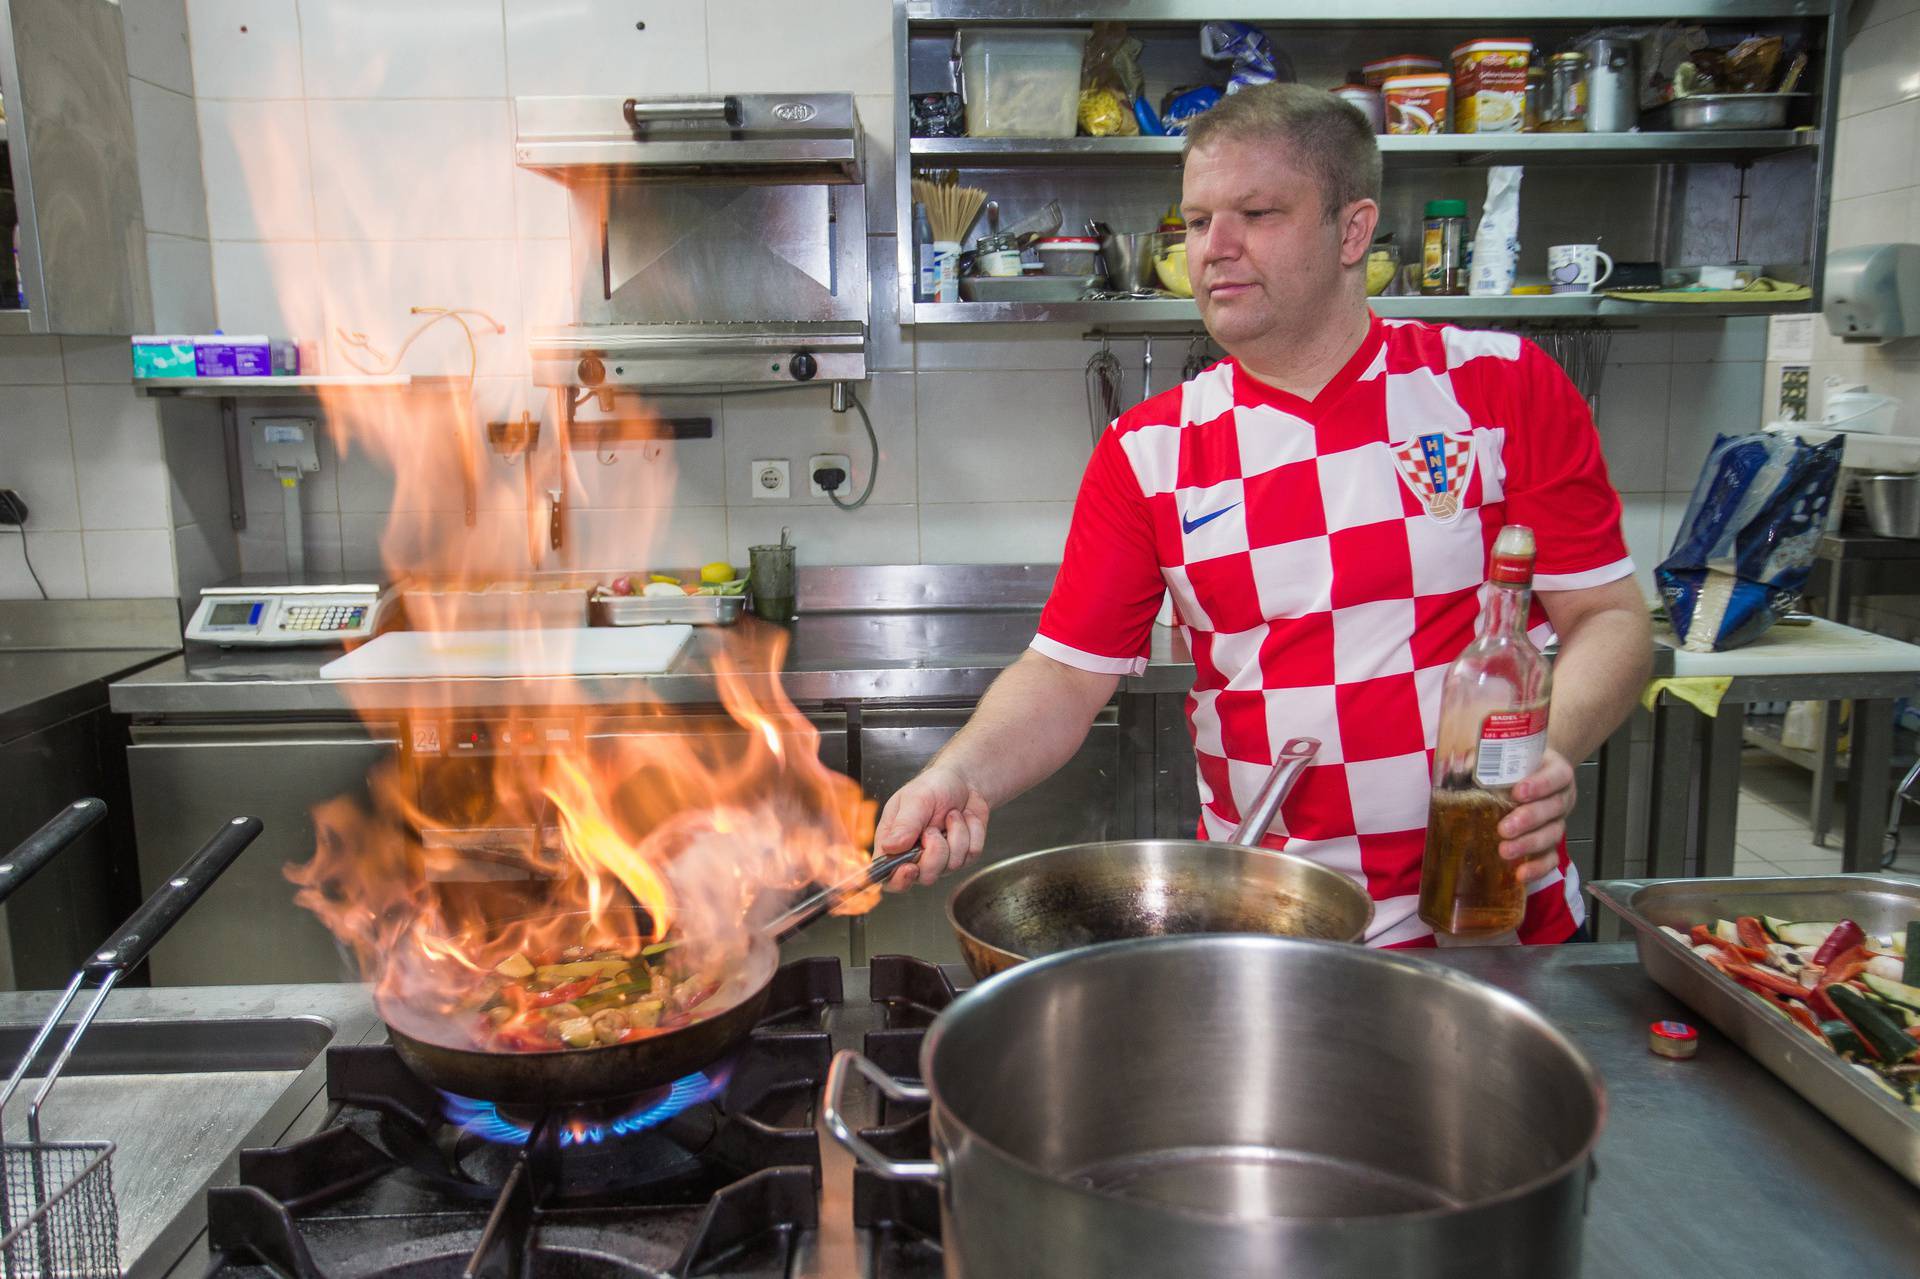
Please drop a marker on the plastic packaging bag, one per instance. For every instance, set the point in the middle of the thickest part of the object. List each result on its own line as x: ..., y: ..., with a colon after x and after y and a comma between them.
x: 1745, y: 549
x: 1183, y: 106
x: 1251, y: 53
x: 1496, y: 245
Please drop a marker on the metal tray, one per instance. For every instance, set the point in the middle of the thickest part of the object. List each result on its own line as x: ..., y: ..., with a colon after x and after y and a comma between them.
x: 1878, y: 903
x: 658, y: 610
x: 1026, y: 288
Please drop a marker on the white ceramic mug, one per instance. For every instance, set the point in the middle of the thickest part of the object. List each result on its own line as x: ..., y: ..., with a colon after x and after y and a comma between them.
x: 1575, y: 268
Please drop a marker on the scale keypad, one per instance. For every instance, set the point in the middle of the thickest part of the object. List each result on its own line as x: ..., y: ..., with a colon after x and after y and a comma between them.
x: 323, y: 617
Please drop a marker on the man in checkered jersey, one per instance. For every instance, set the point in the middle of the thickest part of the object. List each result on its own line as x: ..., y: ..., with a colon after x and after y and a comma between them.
x: 1320, y: 506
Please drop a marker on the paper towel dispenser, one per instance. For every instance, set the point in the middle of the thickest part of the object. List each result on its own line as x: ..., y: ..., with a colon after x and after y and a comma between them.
x: 1873, y: 292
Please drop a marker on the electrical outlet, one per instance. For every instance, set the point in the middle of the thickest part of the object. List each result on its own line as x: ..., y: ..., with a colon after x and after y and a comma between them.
x: 819, y: 460
x: 771, y: 480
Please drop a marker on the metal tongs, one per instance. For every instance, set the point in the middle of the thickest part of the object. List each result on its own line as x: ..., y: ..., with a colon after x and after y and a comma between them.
x: 809, y: 910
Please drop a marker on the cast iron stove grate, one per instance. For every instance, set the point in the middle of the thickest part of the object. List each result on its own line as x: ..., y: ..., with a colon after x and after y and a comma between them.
x: 902, y: 1220
x: 393, y: 1187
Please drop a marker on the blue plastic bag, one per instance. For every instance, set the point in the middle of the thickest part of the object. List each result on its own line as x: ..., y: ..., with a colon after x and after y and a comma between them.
x: 1252, y: 54
x: 1745, y: 549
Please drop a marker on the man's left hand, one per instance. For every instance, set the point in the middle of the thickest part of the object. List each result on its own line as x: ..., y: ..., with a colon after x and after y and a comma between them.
x: 1530, y: 835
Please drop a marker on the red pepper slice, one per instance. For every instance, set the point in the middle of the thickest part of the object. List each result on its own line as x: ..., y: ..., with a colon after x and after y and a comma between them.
x: 1705, y: 936
x: 1752, y: 934
x: 1794, y: 1012
x: 1845, y: 936
x: 560, y: 994
x: 1822, y: 1006
x: 1766, y: 979
x: 1845, y: 965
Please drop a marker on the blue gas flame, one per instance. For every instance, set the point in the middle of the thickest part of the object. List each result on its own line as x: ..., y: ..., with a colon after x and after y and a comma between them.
x: 484, y: 1120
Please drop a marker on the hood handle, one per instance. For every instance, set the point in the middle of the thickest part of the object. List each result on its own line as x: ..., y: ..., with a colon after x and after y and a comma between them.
x: 667, y: 111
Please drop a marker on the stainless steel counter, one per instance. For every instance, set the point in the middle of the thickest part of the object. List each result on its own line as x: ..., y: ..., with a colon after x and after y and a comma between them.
x: 1709, y: 1167
x: 43, y: 687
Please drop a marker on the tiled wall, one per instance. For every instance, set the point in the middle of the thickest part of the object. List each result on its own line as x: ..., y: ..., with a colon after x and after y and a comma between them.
x: 358, y: 162
x: 91, y: 459
x: 1876, y: 199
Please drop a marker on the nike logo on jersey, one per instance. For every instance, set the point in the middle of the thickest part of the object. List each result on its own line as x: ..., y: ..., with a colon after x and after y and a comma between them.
x: 1191, y: 524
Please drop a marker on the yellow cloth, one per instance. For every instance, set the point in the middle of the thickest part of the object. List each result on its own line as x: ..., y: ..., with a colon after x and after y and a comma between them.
x: 1763, y: 289
x: 1702, y: 692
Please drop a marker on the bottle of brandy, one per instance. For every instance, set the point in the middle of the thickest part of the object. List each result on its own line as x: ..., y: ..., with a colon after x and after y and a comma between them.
x: 1493, y: 730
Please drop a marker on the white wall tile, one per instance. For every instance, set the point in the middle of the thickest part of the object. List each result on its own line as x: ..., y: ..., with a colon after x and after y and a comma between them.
x: 772, y: 46
x: 1648, y: 343
x: 268, y: 287
x: 387, y: 170
x: 98, y: 360
x: 547, y: 52
x: 56, y: 558
x: 182, y: 275
x: 546, y: 284
x: 30, y: 361
x: 120, y: 464
x: 369, y: 287
x: 1739, y: 338
x: 1707, y: 399
x: 672, y: 473
x: 1881, y: 69
x: 680, y: 538
x: 1016, y: 437
x: 889, y: 344
x: 1015, y: 346
x: 1882, y: 218
x: 420, y: 49
x: 539, y: 206
x: 1640, y: 525
x: 195, y: 449
x: 262, y: 545
x: 259, y: 180
x: 994, y: 532
x: 129, y: 564
x: 495, y: 546
x: 1633, y: 425
x: 36, y: 450
x: 798, y: 424
x: 823, y: 535
x: 156, y: 35
x: 245, y: 48
x: 1874, y: 152
x: 166, y: 141
x: 204, y: 555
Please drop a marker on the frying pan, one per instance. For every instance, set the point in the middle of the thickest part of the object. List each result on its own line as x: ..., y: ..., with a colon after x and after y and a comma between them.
x: 605, y: 1072
x: 1061, y: 898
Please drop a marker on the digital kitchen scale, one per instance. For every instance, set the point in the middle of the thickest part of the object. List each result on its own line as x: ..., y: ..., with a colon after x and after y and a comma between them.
x: 252, y: 614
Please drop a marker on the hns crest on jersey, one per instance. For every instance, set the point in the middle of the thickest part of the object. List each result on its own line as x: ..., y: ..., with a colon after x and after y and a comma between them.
x: 1436, y: 466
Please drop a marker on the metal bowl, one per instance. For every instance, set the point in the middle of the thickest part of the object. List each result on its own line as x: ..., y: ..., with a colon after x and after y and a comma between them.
x: 1130, y: 257
x: 1732, y: 111
x: 1893, y: 504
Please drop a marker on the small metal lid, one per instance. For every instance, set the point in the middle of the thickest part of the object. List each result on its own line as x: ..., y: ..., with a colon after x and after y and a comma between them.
x: 1673, y: 1039
x: 1571, y: 56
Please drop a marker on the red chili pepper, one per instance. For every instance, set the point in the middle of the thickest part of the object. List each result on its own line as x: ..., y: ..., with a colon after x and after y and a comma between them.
x: 520, y: 1038
x: 1752, y: 934
x: 1913, y: 1032
x: 1822, y: 1005
x: 1704, y: 936
x: 1794, y: 1012
x: 1765, y: 978
x: 560, y: 994
x: 1845, y: 965
x: 1845, y: 935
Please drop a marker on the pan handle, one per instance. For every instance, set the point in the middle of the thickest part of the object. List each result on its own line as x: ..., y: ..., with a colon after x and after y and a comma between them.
x: 812, y: 909
x: 832, y: 1105
x: 37, y: 849
x: 1287, y: 767
x: 123, y: 952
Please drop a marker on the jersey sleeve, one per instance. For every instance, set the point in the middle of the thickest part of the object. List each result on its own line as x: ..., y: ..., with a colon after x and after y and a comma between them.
x: 1557, y: 483
x: 1100, y: 615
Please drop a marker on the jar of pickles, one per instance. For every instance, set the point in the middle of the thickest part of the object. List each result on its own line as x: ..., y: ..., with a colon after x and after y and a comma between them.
x: 1566, y: 104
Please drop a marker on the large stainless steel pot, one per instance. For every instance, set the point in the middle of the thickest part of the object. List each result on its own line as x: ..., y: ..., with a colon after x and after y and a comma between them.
x: 1058, y: 899
x: 1237, y: 1105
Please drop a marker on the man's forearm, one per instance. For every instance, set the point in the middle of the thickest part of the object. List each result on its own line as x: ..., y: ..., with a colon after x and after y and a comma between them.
x: 1602, y: 666
x: 1030, y: 722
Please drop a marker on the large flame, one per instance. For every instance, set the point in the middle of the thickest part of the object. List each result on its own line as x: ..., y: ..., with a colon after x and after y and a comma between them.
x: 564, y: 822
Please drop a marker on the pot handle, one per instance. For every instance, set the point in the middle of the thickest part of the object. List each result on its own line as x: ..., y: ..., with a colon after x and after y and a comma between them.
x: 845, y: 1062
x: 1287, y: 767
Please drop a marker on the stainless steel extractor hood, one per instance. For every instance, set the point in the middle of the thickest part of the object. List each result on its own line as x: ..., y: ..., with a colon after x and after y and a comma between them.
x: 715, y: 242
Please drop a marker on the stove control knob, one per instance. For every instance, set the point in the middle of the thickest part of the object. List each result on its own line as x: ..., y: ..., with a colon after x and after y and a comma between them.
x: 592, y: 371
x: 803, y: 367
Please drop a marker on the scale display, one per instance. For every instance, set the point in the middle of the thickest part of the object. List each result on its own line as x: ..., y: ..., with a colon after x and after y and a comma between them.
x: 235, y: 616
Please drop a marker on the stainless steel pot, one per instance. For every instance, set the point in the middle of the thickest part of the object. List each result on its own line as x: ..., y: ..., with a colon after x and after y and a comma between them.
x: 1893, y: 504
x: 1236, y: 1105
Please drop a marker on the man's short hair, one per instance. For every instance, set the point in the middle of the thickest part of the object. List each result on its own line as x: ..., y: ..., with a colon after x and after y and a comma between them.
x: 1329, y: 136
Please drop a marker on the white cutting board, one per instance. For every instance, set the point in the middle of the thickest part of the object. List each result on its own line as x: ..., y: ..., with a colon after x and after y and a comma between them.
x: 540, y: 651
x: 1815, y: 649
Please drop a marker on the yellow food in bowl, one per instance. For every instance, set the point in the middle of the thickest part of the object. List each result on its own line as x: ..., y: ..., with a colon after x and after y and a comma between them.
x: 1171, y: 266
x: 1381, y: 266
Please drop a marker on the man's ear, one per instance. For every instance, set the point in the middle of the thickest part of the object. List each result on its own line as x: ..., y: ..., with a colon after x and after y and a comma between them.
x: 1357, y: 223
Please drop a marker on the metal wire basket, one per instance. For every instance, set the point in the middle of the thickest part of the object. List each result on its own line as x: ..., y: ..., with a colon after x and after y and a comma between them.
x: 59, y: 1216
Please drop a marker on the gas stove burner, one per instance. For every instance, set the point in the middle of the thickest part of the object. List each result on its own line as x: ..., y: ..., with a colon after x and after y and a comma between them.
x: 587, y: 1125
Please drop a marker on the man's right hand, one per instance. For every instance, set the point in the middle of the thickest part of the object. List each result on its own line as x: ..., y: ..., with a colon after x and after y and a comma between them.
x: 940, y: 811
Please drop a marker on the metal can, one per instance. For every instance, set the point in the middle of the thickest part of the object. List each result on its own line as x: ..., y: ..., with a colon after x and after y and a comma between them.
x: 1443, y: 257
x: 1613, y: 90
x: 1566, y: 93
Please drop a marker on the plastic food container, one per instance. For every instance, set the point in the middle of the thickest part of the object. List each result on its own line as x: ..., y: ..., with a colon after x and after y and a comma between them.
x: 1022, y: 83
x: 1400, y: 64
x: 1490, y: 86
x: 1417, y: 103
x: 163, y: 355
x: 1366, y: 98
x: 1069, y: 255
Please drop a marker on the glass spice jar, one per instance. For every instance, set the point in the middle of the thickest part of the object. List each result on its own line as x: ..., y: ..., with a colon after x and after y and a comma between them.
x: 1443, y: 249
x: 1566, y: 107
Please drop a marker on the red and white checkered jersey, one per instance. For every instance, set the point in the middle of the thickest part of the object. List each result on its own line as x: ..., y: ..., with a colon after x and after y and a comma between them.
x: 1326, y: 559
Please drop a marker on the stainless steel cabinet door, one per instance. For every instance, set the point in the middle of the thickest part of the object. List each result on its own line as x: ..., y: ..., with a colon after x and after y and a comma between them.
x: 186, y: 783
x: 1080, y: 803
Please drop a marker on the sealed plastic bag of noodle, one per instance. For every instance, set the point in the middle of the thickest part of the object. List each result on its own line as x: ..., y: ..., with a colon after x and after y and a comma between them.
x: 1746, y: 546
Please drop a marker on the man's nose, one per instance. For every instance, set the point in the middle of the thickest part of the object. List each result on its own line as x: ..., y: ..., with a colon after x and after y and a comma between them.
x: 1221, y: 241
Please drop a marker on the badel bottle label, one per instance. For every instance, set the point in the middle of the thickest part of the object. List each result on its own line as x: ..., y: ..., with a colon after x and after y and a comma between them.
x: 1511, y: 743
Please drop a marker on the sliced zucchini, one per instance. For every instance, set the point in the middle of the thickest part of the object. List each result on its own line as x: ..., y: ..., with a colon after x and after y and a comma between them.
x: 1804, y: 934
x: 1884, y: 1033
x: 1894, y: 992
x: 1773, y: 926
x: 1912, y: 955
x: 1844, y: 1038
x: 1726, y: 930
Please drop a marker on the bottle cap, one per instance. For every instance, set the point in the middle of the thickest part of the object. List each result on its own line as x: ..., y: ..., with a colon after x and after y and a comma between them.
x: 1446, y: 208
x: 1673, y: 1039
x: 1513, y: 556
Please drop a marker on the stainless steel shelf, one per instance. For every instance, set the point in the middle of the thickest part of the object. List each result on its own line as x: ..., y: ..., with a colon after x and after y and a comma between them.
x: 1347, y: 12
x: 260, y: 388
x: 1444, y: 148
x: 1487, y: 310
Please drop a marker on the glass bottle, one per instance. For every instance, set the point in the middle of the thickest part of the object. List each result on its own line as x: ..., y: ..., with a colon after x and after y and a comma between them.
x: 1493, y: 730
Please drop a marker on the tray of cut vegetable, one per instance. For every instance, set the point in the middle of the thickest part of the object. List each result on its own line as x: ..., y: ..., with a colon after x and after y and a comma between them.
x: 1817, y: 977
